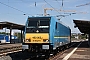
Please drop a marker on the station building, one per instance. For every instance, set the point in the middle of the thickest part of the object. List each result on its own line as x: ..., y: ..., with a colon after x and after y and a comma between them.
x: 11, y: 26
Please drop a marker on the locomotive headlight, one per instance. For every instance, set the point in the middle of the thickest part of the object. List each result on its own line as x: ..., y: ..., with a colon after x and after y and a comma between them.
x: 45, y: 40
x: 27, y: 40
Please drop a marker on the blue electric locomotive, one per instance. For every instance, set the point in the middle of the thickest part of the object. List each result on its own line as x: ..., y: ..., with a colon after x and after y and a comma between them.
x: 45, y: 34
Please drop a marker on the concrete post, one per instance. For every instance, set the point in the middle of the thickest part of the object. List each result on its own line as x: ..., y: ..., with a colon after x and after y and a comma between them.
x: 10, y: 34
x: 21, y: 36
x: 89, y: 39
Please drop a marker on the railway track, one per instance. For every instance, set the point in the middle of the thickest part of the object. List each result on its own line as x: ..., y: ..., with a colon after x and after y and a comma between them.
x: 27, y: 56
x: 56, y: 57
x: 9, y: 48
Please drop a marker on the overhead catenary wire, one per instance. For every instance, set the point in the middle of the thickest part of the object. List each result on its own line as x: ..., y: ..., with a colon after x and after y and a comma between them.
x: 14, y: 8
x: 34, y: 4
x: 57, y: 2
x: 83, y: 4
x: 52, y: 7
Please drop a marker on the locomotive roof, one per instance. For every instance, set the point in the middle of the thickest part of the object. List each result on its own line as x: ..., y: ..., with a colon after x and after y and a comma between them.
x: 40, y: 17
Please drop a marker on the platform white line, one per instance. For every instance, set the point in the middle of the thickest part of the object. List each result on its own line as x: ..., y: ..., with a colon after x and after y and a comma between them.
x: 67, y: 56
x: 62, y: 53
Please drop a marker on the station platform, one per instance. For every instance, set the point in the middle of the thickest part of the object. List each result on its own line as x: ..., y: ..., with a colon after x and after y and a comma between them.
x: 82, y: 52
x: 79, y: 50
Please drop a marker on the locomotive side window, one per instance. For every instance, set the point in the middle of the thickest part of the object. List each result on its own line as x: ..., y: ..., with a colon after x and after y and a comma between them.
x: 56, y: 25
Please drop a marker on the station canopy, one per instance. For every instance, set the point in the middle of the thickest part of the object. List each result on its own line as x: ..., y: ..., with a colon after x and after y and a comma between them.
x: 9, y: 25
x: 83, y: 26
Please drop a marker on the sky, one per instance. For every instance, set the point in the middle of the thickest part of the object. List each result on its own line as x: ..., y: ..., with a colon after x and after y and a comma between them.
x: 17, y: 11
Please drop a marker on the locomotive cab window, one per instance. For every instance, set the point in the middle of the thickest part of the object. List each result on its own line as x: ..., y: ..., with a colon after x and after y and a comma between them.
x: 32, y: 23
x: 38, y: 24
x: 43, y: 24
